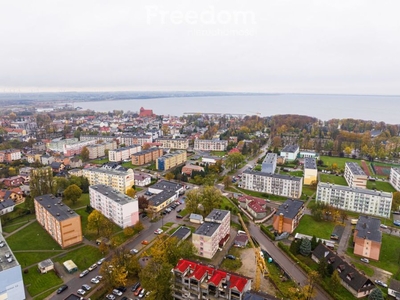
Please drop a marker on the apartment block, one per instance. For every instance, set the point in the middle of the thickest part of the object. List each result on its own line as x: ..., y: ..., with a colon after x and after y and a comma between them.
x: 62, y: 223
x: 97, y: 138
x: 359, y: 200
x: 11, y: 281
x: 355, y: 175
x: 212, y: 234
x: 171, y: 160
x: 146, y: 156
x: 269, y: 163
x: 58, y: 145
x: 117, y: 179
x: 195, y: 280
x: 210, y: 145
x: 310, y: 170
x: 276, y: 184
x: 123, y: 153
x: 165, y: 192
x: 290, y: 152
x: 10, y: 155
x: 395, y: 178
x: 129, y: 139
x: 99, y: 150
x: 117, y: 207
x: 367, y: 238
x: 76, y: 148
x: 166, y: 143
x: 288, y: 215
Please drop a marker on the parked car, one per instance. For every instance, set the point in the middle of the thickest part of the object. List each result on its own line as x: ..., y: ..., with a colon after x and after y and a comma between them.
x: 81, y: 292
x: 101, y: 261
x: 94, y: 280
x: 334, y: 237
x: 381, y: 283
x: 179, y: 216
x: 384, y: 226
x: 92, y: 267
x: 110, y: 297
x: 84, y: 273
x: 366, y: 260
x: 62, y: 288
x: 230, y: 256
x: 117, y: 292
x: 145, y: 242
x: 142, y: 293
x: 134, y: 251
x: 137, y: 292
x: 397, y: 222
x: 178, y: 210
x: 158, y: 231
x: 135, y: 286
x: 86, y: 287
x: 121, y: 288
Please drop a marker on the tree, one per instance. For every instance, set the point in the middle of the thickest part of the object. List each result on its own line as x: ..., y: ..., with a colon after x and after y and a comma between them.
x: 143, y: 202
x: 169, y: 176
x: 295, y: 247
x: 41, y: 182
x: 203, y: 201
x: 314, y: 242
x: 347, y: 150
x: 138, y: 226
x: 343, y: 215
x: 112, y: 275
x: 234, y: 160
x: 376, y: 294
x: 305, y: 247
x: 73, y: 193
x: 129, y: 231
x: 131, y: 192
x: 335, y: 280
x: 97, y: 221
x: 227, y: 181
x: 396, y: 201
x: 322, y: 268
x: 85, y: 154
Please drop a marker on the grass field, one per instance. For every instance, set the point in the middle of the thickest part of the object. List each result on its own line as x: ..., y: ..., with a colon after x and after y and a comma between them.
x: 37, y: 283
x: 83, y: 257
x: 99, y: 161
x: 311, y: 227
x: 308, y: 190
x: 218, y: 153
x: 381, y: 186
x: 29, y: 258
x: 332, y: 179
x: 82, y: 201
x: 340, y: 161
x: 32, y: 237
x: 226, y: 204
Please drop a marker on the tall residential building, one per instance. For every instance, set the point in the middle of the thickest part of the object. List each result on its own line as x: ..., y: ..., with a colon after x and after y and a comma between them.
x: 123, y: 153
x: 119, y: 208
x: 367, y: 238
x: 11, y: 283
x: 355, y: 175
x: 10, y: 155
x: 99, y: 150
x: 360, y: 200
x: 119, y: 180
x: 276, y: 184
x: 269, y: 163
x: 310, y: 170
x: 58, y: 145
x: 288, y: 215
x: 210, y: 145
x: 213, y: 233
x: 130, y: 139
x: 171, y: 160
x: 395, y: 178
x: 290, y: 152
x: 146, y: 156
x: 167, y: 143
x: 76, y: 148
x: 195, y: 280
x: 61, y: 222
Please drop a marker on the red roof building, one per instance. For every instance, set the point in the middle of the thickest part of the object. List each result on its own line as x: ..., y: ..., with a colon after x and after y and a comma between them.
x: 257, y: 207
x: 145, y: 112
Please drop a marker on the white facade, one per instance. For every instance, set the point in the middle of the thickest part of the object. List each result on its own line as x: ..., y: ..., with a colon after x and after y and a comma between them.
x: 269, y: 163
x: 58, y: 146
x: 359, y: 200
x: 276, y: 184
x: 210, y: 145
x: 117, y: 207
x: 395, y: 178
x: 181, y: 144
x: 355, y: 175
x: 124, y: 153
x: 119, y: 180
x: 290, y: 152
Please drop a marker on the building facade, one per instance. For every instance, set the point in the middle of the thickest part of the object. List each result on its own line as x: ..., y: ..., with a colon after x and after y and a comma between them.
x: 180, y: 144
x: 367, y: 237
x: 76, y: 148
x: 171, y: 160
x: 355, y: 175
x: 395, y: 178
x: 210, y: 145
x: 359, y: 200
x: 269, y: 163
x: 310, y: 171
x: 288, y: 215
x: 117, y: 207
x: 62, y: 223
x: 10, y: 155
x: 99, y: 150
x: 119, y: 180
x: 123, y: 153
x: 290, y: 152
x: 212, y: 234
x: 276, y: 184
x: 165, y: 192
x: 146, y: 156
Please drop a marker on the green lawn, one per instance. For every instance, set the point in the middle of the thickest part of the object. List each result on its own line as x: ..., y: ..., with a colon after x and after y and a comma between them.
x: 363, y: 267
x: 308, y: 190
x: 99, y: 161
x: 184, y: 212
x: 262, y: 195
x: 32, y: 237
x: 311, y: 227
x: 333, y: 179
x: 218, y: 153
x: 46, y: 295
x: 82, y: 201
x: 37, y: 283
x: 29, y: 258
x: 83, y: 257
x: 381, y: 186
x: 226, y: 204
x: 128, y: 165
x: 340, y: 161
x: 15, y: 226
x: 294, y: 173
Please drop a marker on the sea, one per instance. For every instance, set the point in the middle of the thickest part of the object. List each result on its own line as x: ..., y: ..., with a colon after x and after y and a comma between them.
x: 323, y: 107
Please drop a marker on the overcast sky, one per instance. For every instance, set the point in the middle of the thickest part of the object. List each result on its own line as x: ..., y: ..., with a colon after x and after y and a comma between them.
x: 297, y: 46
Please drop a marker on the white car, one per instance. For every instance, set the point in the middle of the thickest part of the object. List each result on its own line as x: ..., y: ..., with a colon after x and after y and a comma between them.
x: 84, y: 273
x: 384, y: 226
x: 92, y: 267
x: 117, y: 292
x: 94, y: 280
x: 99, y: 277
x: 81, y: 292
x: 158, y: 231
x: 86, y: 287
x: 366, y: 260
x: 110, y: 297
x: 134, y: 251
x: 101, y: 261
x: 381, y: 283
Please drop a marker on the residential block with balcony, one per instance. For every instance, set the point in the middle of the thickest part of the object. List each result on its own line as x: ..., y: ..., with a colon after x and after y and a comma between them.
x: 395, y: 178
x: 355, y: 175
x: 210, y: 145
x: 166, y: 143
x: 123, y: 153
x: 171, y: 160
x: 117, y: 179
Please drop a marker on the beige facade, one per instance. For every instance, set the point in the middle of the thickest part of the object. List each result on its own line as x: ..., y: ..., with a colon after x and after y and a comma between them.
x: 310, y: 171
x: 99, y: 150
x: 367, y: 237
x: 171, y: 160
x: 119, y: 180
x: 181, y: 144
x: 123, y: 153
x: 62, y: 223
x: 146, y: 156
x: 210, y: 145
x: 355, y: 176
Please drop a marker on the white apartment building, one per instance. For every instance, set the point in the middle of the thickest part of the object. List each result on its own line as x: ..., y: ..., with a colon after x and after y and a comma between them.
x: 290, y: 152
x: 355, y: 175
x: 76, y: 148
x: 310, y: 170
x: 99, y: 150
x: 123, y: 153
x: 213, y: 233
x: 58, y: 146
x: 210, y: 145
x: 119, y: 180
x: 355, y: 199
x: 276, y: 184
x: 130, y: 139
x: 10, y: 155
x: 166, y: 143
x: 269, y: 163
x: 116, y: 206
x: 395, y: 178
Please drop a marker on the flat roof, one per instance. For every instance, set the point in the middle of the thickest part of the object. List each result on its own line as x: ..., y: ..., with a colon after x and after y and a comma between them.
x: 270, y: 158
x: 280, y: 176
x: 172, y: 154
x: 354, y: 189
x: 216, y: 215
x: 160, y: 198
x: 167, y: 139
x: 310, y: 163
x: 181, y: 233
x: 290, y: 148
x: 109, y: 171
x: 125, y: 148
x: 145, y: 151
x: 4, y: 264
x: 112, y: 194
x: 369, y: 228
x: 56, y: 207
x: 290, y: 208
x: 207, y: 228
x: 355, y: 168
x: 164, y: 185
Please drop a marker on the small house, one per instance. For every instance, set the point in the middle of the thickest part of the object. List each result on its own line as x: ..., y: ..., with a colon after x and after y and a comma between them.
x: 46, y: 266
x: 195, y: 218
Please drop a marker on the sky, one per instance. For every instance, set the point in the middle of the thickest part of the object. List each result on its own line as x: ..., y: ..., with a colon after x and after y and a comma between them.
x: 270, y: 46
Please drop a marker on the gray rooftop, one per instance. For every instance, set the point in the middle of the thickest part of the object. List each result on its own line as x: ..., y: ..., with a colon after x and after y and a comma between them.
x: 355, y: 189
x: 355, y: 168
x: 216, y: 215
x: 113, y: 194
x: 125, y: 148
x: 160, y: 198
x: 207, y: 228
x: 290, y: 208
x: 167, y: 185
x: 280, y: 176
x: 270, y: 158
x: 108, y: 171
x: 171, y: 154
x: 169, y: 139
x: 4, y: 264
x: 56, y: 207
x: 181, y: 233
x: 145, y: 151
x: 310, y: 163
x: 290, y: 148
x: 368, y: 228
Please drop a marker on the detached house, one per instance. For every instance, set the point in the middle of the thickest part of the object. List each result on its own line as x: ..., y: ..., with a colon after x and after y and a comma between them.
x: 257, y: 207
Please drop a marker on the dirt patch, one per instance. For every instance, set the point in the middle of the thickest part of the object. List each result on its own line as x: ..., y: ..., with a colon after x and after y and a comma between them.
x: 365, y: 168
x: 248, y: 269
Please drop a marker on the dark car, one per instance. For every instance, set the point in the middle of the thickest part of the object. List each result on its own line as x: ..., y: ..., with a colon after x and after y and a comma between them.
x: 179, y: 216
x: 121, y: 288
x: 62, y: 288
x: 334, y: 237
x: 230, y: 256
x: 135, y: 286
x: 178, y: 210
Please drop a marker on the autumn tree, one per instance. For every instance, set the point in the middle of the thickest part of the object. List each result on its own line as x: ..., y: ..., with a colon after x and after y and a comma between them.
x: 138, y: 226
x: 131, y: 192
x: 41, y: 183
x: 97, y: 221
x: 143, y: 202
x: 227, y: 181
x: 85, y: 154
x: 203, y: 201
x: 234, y: 160
x: 73, y: 193
x: 169, y: 176
x: 276, y: 142
x: 347, y: 150
x: 128, y: 231
x: 113, y: 275
x: 335, y: 280
x: 396, y: 201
